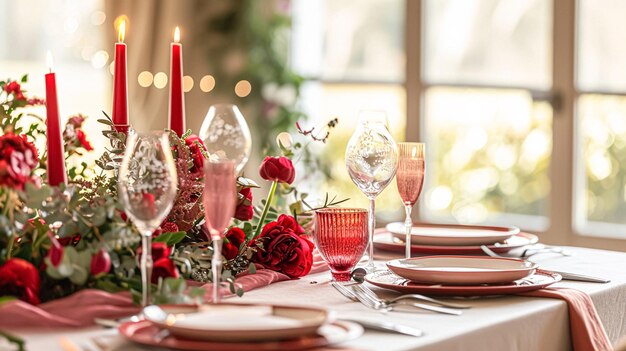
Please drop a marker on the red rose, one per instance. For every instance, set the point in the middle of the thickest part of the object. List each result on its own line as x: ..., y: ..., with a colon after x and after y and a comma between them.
x: 18, y: 158
x: 100, y: 263
x: 162, y: 267
x: 82, y: 138
x: 20, y: 278
x: 244, y: 210
x: 278, y: 169
x: 284, y: 250
x: 232, y: 241
x: 15, y: 89
x: 197, y: 149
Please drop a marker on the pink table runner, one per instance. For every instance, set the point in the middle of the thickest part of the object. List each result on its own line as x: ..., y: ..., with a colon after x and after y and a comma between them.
x: 80, y: 309
x: 586, y: 330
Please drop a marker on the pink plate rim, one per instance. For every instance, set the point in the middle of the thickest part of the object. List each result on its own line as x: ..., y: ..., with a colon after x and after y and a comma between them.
x: 144, y: 332
x: 435, y: 275
x: 405, y: 286
x: 383, y: 240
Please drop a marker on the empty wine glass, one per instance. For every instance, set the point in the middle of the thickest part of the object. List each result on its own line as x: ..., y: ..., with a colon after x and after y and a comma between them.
x: 147, y: 186
x: 410, y: 179
x: 219, y: 199
x: 226, y: 134
x: 371, y: 160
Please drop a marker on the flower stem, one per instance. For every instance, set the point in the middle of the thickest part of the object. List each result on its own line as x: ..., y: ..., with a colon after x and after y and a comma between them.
x: 268, y: 203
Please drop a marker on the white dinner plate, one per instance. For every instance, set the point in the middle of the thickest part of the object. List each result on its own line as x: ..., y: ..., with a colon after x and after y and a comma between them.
x: 229, y: 322
x: 452, y: 234
x: 461, y: 270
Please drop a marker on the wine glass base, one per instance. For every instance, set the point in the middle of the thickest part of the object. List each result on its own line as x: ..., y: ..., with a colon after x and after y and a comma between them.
x: 341, y: 276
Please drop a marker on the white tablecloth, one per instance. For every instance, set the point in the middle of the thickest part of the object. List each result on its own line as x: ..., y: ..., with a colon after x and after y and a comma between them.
x: 497, y: 323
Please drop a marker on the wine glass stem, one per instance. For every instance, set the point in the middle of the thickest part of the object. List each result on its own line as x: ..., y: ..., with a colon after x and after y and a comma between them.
x: 146, y: 268
x: 371, y: 224
x: 408, y: 224
x: 216, y: 267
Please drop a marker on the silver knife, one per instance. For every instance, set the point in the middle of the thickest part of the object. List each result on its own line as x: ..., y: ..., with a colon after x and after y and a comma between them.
x: 386, y: 326
x: 579, y: 277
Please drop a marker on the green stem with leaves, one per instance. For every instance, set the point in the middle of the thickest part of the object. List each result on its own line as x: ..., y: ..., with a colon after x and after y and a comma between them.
x: 268, y: 203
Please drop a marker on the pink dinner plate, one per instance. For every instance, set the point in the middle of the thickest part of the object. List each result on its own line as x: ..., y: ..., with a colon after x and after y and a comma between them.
x: 391, y: 281
x: 384, y: 240
x: 146, y: 333
x: 237, y: 321
x: 461, y: 270
x: 452, y: 234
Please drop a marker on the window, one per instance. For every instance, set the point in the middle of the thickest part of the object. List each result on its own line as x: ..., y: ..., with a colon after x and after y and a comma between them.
x: 601, y: 119
x: 485, y: 63
x: 353, y: 54
x: 73, y: 31
x: 522, y: 104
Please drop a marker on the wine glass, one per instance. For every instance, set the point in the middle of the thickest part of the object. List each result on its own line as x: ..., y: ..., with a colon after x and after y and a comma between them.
x: 371, y: 160
x: 147, y: 186
x: 226, y: 134
x: 219, y: 199
x: 341, y: 238
x: 410, y: 179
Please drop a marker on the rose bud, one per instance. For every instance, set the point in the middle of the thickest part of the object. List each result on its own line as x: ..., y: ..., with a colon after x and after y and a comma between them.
x: 100, y: 263
x: 278, y: 169
x: 233, y: 239
x: 55, y: 254
x: 244, y: 210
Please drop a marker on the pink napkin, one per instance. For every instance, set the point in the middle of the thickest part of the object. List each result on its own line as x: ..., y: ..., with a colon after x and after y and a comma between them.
x: 586, y: 328
x: 76, y: 310
x: 80, y: 309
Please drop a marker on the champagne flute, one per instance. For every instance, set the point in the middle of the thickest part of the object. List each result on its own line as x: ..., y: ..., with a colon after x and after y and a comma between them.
x: 371, y: 160
x: 147, y: 186
x: 410, y: 180
x: 219, y: 199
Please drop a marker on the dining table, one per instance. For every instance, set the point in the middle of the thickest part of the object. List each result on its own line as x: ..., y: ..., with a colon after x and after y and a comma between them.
x: 507, y: 322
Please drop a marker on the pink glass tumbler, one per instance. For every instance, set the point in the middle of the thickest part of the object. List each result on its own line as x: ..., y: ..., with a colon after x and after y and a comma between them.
x: 341, y: 237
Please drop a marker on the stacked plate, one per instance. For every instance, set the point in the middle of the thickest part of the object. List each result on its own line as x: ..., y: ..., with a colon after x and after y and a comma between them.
x: 451, y: 239
x: 233, y: 326
x: 462, y: 276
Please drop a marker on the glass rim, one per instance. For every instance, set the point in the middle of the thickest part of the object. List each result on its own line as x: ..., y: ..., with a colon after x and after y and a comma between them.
x: 347, y: 210
x: 412, y: 143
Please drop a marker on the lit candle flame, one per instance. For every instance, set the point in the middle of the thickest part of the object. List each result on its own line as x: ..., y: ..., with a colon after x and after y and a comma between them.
x: 122, y: 31
x: 177, y: 35
x: 49, y: 61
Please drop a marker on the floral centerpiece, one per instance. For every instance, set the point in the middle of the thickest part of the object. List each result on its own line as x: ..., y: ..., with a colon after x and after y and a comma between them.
x: 57, y: 240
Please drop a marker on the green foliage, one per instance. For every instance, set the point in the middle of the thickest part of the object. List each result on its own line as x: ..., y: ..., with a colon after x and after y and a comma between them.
x: 170, y: 239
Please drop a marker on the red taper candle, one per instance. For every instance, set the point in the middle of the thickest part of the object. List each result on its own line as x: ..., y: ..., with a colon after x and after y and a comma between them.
x: 54, y: 142
x: 177, y: 98
x: 120, y: 82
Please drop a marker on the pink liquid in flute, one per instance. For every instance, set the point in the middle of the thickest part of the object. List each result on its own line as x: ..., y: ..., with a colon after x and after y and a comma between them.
x: 341, y: 237
x: 410, y: 179
x: 219, y: 198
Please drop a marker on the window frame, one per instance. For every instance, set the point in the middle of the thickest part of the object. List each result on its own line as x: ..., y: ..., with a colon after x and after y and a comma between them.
x: 562, y: 228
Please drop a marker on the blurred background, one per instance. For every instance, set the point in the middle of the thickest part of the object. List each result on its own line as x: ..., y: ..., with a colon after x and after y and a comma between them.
x: 522, y: 104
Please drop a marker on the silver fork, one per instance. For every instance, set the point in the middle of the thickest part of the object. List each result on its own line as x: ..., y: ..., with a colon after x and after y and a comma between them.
x: 377, y: 304
x: 371, y: 293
